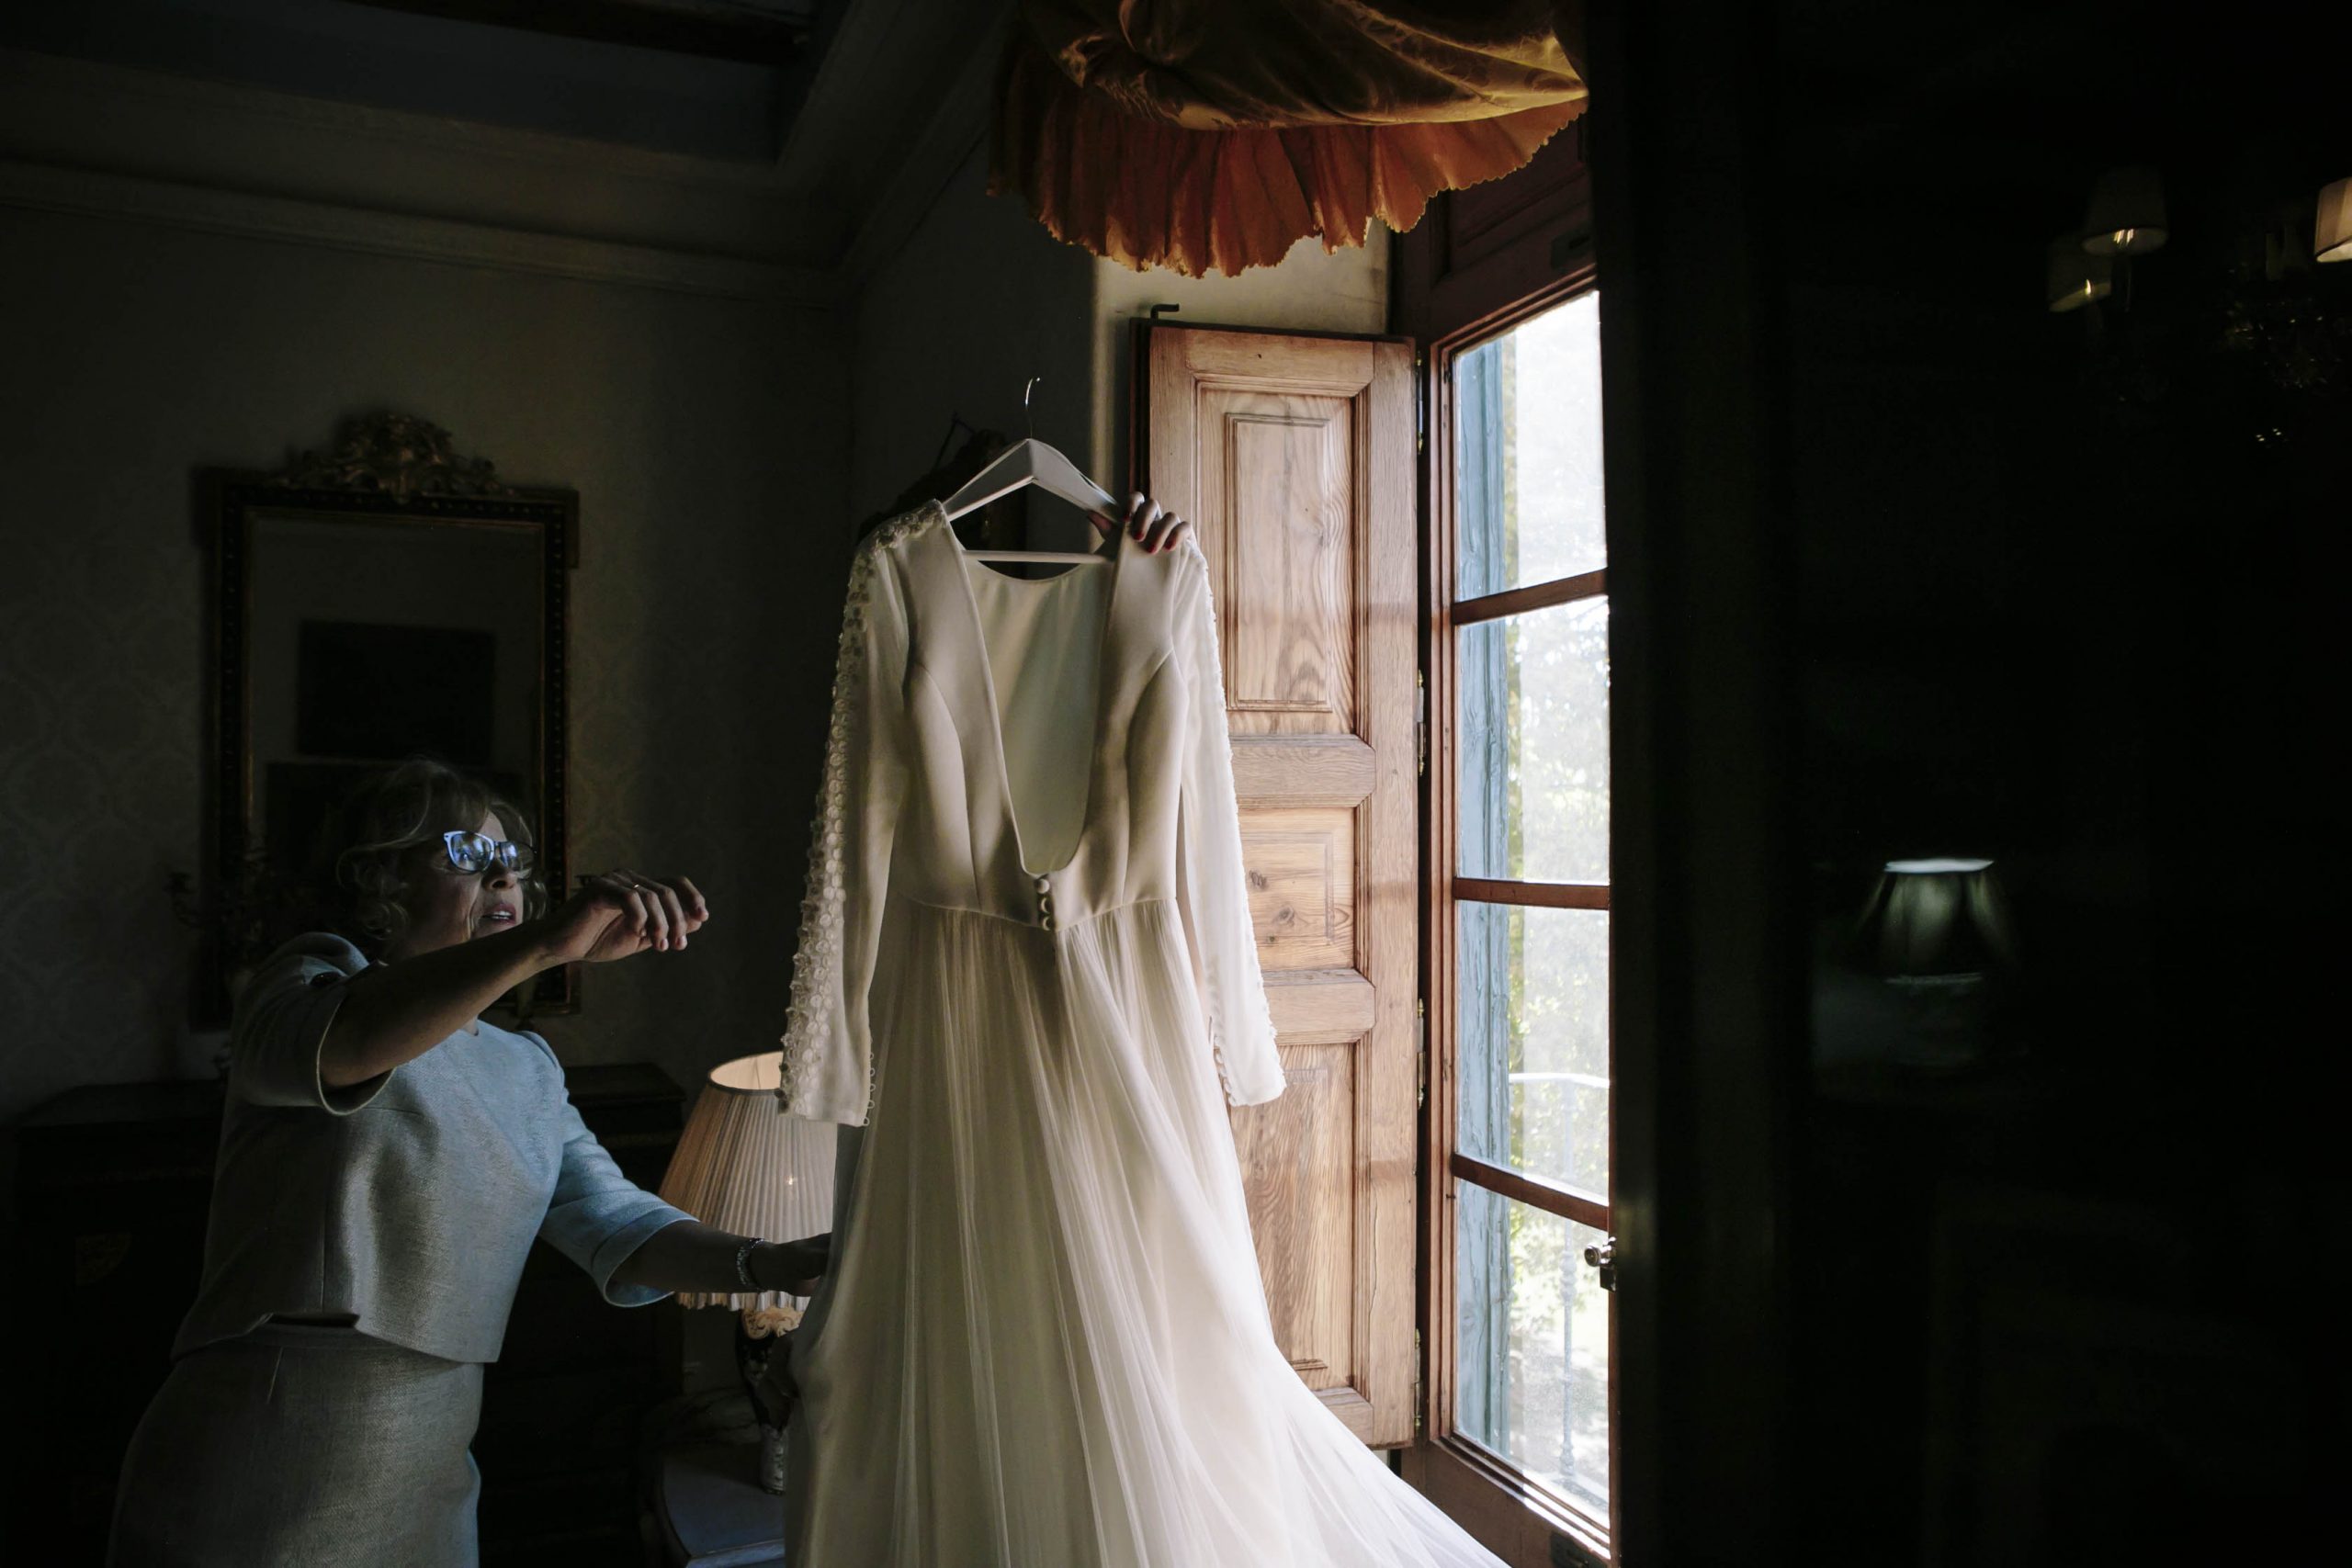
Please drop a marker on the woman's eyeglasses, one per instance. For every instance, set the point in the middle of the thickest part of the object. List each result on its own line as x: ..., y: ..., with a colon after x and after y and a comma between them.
x: 475, y: 851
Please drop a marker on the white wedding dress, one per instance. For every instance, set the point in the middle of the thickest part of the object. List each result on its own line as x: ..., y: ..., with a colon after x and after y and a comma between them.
x: 1026, y: 985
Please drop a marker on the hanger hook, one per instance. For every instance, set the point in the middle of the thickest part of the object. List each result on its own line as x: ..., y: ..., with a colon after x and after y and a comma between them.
x: 1028, y: 421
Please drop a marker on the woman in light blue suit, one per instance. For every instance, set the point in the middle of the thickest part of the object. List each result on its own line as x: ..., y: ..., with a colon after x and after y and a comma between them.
x: 387, y: 1158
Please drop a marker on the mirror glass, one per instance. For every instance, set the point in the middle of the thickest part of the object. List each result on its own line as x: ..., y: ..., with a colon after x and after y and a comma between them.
x: 374, y: 640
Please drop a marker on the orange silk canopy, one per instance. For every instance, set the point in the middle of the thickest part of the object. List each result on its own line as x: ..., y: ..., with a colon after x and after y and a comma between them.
x: 1206, y: 135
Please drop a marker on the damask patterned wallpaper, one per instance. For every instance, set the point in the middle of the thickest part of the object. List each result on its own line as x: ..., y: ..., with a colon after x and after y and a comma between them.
x: 708, y: 439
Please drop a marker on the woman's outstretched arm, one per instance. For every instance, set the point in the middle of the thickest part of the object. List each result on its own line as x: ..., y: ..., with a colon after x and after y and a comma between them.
x: 692, y: 1256
x: 396, y: 1012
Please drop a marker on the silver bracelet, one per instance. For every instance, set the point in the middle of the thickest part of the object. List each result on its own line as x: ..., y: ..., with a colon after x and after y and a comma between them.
x: 743, y: 1264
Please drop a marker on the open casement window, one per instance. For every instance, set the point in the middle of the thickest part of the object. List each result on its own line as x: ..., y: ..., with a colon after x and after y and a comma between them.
x: 1293, y: 455
x: 1516, y: 1242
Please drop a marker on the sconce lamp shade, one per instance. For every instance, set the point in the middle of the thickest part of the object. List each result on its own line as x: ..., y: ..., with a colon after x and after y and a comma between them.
x: 2332, y: 240
x: 2127, y: 213
x: 1934, y: 919
x: 2078, y: 278
x: 743, y: 1166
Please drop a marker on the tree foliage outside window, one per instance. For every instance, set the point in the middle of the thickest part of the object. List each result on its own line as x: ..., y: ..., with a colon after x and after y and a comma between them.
x: 1531, y: 792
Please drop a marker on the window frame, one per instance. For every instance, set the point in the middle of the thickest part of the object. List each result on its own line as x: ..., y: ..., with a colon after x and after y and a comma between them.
x: 1494, y: 1488
x: 1666, y: 181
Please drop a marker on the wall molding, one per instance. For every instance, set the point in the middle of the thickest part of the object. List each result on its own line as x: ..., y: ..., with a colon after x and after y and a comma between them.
x: 85, y: 193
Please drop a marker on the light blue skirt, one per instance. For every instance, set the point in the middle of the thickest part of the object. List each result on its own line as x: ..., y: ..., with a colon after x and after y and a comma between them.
x: 303, y: 1445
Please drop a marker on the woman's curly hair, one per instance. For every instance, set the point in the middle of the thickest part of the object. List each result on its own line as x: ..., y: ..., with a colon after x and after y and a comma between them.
x: 392, y: 813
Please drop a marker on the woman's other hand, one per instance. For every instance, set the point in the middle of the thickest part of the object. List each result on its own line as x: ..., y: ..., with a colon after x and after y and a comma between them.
x: 791, y: 1266
x: 1151, y: 525
x: 620, y: 914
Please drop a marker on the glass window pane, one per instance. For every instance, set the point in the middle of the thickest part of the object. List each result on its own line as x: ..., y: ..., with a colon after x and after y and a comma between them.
x: 1527, y: 452
x: 1531, y: 1363
x: 1533, y: 1051
x: 1535, y: 745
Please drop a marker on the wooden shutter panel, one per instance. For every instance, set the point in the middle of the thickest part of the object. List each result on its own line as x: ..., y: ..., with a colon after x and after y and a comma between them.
x: 1293, y: 457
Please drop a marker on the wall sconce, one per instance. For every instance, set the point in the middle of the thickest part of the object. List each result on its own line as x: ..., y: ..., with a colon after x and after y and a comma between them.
x: 2332, y: 240
x: 2126, y: 216
x: 2078, y: 278
x: 2245, y: 317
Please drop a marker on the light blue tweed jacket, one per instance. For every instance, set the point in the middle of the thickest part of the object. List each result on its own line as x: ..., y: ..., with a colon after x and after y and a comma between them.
x: 410, y: 1201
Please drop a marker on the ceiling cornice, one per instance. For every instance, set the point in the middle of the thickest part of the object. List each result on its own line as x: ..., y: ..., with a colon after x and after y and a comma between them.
x: 902, y: 98
x: 957, y: 122
x: 58, y: 79
x: 883, y: 82
x: 47, y: 188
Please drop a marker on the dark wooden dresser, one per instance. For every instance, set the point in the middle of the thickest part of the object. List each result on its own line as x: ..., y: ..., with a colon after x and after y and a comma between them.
x: 112, y: 1186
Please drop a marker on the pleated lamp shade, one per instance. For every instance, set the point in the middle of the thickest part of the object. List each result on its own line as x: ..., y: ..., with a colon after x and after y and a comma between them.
x: 2333, y: 238
x: 744, y: 1166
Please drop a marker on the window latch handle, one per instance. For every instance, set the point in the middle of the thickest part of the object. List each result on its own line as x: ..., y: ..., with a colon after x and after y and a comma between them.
x: 1602, y: 1256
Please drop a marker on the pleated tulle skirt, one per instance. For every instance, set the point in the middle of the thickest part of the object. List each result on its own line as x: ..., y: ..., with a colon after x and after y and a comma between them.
x: 1044, y: 1342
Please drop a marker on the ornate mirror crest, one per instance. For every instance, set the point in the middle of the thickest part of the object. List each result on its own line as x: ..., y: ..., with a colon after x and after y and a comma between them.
x: 396, y: 455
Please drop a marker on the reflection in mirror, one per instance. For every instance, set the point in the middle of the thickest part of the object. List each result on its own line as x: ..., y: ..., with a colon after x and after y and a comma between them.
x: 384, y: 600
x: 373, y: 641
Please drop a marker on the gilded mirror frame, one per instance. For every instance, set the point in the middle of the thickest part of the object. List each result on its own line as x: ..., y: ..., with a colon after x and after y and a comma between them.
x: 385, y: 469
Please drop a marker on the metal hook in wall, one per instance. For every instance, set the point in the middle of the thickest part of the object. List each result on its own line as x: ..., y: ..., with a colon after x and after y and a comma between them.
x: 1028, y: 422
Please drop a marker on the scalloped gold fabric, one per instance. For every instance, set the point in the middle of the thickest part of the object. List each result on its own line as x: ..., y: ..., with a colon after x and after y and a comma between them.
x: 1210, y: 135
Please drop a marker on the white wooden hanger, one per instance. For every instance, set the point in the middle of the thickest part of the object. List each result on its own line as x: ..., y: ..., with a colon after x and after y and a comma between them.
x: 1032, y: 462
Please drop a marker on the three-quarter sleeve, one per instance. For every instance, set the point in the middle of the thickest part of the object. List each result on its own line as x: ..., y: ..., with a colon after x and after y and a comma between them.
x: 828, y: 1046
x: 598, y: 1217
x: 280, y: 1023
x: 1213, y: 888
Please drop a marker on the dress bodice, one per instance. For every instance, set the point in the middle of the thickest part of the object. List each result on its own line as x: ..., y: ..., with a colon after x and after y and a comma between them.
x: 963, y: 841
x: 918, y: 801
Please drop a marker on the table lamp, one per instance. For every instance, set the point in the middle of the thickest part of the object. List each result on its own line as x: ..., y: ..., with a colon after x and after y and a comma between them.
x: 1938, y: 933
x: 743, y: 1166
